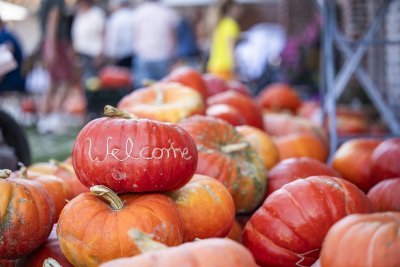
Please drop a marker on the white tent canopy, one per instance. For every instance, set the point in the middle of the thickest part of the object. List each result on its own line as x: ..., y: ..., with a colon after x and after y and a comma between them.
x: 12, y: 12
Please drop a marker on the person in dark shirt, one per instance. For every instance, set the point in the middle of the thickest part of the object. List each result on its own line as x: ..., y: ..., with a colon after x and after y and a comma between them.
x: 14, y: 80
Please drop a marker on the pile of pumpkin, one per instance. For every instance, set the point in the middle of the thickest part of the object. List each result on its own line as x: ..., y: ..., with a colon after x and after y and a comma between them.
x: 185, y: 166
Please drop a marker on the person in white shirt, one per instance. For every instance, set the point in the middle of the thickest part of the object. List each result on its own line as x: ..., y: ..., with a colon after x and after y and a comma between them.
x: 154, y: 40
x: 88, y: 42
x: 118, y: 36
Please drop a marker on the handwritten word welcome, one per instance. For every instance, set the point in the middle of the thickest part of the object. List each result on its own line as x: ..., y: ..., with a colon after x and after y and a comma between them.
x: 145, y: 153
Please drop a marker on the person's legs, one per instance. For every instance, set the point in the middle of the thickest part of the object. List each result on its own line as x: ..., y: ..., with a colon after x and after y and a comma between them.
x: 159, y: 69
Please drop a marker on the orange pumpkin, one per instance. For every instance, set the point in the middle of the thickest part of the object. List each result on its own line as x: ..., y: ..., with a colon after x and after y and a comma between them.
x: 361, y: 240
x: 280, y: 124
x: 93, y: 227
x: 279, y: 96
x: 188, y: 77
x: 167, y: 102
x: 26, y: 216
x: 225, y: 155
x: 206, y: 206
x: 262, y: 143
x: 236, y: 232
x: 64, y: 170
x: 352, y: 161
x: 55, y: 186
x: 301, y: 145
x: 215, y: 252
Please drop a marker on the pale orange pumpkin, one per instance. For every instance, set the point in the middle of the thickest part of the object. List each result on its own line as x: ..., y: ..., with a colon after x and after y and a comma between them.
x: 262, y: 143
x: 206, y: 206
x: 167, y: 102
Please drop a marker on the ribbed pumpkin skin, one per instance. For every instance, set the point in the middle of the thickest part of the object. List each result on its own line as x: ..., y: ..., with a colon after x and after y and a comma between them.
x: 242, y: 172
x: 26, y: 217
x: 190, y: 78
x: 50, y: 249
x: 244, y: 104
x: 134, y: 155
x: 65, y: 171
x: 353, y: 159
x: 90, y: 232
x: 213, y: 252
x: 290, y: 226
x: 56, y: 187
x: 385, y: 196
x: 361, y: 240
x: 178, y: 102
x: 206, y: 206
x: 279, y: 96
x: 385, y: 160
x: 288, y: 170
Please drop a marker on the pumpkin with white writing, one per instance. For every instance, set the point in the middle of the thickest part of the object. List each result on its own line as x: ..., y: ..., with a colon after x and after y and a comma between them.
x: 168, y: 102
x: 128, y: 154
x: 225, y: 155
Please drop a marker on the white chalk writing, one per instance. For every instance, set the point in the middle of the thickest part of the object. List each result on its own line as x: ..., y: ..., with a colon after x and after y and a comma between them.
x: 146, y: 153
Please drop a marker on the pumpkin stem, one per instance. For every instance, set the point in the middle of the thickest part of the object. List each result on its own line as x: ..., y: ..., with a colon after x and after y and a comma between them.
x: 159, y: 96
x: 109, y: 195
x: 4, y: 174
x: 144, y: 242
x: 49, y: 262
x: 148, y: 82
x: 111, y: 111
x: 231, y: 148
x: 23, y: 170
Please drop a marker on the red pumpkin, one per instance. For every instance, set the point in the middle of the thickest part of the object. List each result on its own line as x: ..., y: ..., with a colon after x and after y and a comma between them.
x: 134, y: 155
x: 188, y: 77
x: 50, y: 249
x: 279, y: 96
x: 27, y: 216
x: 288, y: 229
x: 226, y: 113
x: 93, y: 227
x: 215, y: 252
x: 352, y: 161
x: 215, y: 84
x: 244, y: 104
x: 301, y: 145
x: 239, y: 87
x: 206, y: 206
x: 385, y: 160
x: 288, y: 170
x: 225, y: 155
x: 114, y: 77
x: 361, y: 240
x: 385, y: 195
x: 281, y: 124
x: 168, y: 102
x: 7, y: 263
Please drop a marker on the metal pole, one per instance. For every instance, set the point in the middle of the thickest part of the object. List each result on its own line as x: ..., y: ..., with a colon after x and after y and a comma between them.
x: 371, y: 90
x: 330, y: 100
x: 352, y: 63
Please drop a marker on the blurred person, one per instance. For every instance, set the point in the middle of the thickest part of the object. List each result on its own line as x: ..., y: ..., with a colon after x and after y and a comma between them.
x: 57, y: 56
x: 187, y: 50
x: 118, y: 35
x: 13, y: 80
x: 88, y: 30
x: 154, y: 40
x: 225, y: 36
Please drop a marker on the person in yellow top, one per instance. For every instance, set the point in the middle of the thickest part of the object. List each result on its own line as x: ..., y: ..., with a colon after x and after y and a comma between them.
x: 226, y: 33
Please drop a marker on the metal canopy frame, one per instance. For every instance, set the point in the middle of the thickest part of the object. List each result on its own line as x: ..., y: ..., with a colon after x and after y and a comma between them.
x: 335, y: 85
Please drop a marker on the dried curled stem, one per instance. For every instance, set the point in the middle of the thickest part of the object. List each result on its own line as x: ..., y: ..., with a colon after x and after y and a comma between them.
x: 4, y: 174
x: 231, y: 148
x: 108, y: 195
x: 111, y: 111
